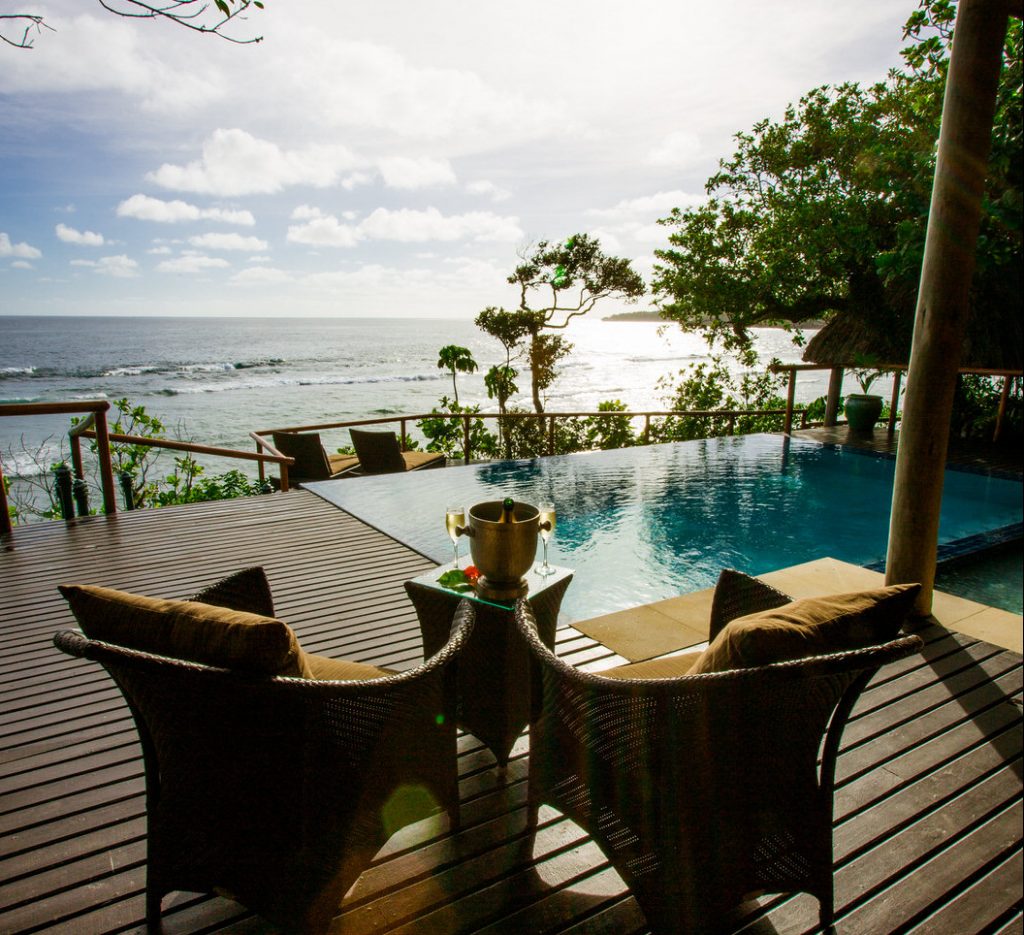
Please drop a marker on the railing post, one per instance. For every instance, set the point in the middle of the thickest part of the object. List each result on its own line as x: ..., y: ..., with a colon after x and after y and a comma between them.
x: 551, y: 433
x: 787, y: 427
x: 76, y: 457
x: 62, y: 486
x: 465, y: 438
x: 80, y: 489
x: 401, y: 432
x: 835, y: 391
x: 259, y: 465
x: 647, y: 428
x: 285, y: 483
x: 731, y: 430
x: 106, y: 467
x: 1001, y: 414
x: 6, y: 526
x: 895, y: 401
x: 126, y: 490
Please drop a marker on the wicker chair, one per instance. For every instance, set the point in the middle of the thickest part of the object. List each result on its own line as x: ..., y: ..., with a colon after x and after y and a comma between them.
x: 701, y: 790
x: 278, y: 792
x: 380, y: 453
x: 312, y: 462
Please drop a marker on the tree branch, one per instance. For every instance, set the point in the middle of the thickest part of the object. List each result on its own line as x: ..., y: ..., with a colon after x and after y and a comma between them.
x: 33, y: 22
x: 191, y: 14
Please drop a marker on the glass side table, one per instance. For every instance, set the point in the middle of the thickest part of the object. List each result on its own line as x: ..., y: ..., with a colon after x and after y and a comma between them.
x: 494, y: 668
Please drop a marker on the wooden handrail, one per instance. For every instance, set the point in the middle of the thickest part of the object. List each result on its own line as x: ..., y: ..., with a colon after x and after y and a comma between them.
x: 260, y: 435
x: 96, y: 409
x: 897, y: 370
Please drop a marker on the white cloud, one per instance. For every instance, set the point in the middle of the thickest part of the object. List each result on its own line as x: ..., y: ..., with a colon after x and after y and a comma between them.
x: 654, y: 206
x: 259, y: 259
x: 404, y: 172
x: 220, y: 241
x: 410, y: 226
x: 160, y: 251
x: 120, y: 266
x: 191, y: 263
x: 260, y: 275
x: 324, y: 231
x: 404, y: 225
x: 355, y: 179
x: 306, y: 213
x: 678, y: 150
x: 21, y: 264
x: 488, y: 189
x: 235, y: 162
x: 81, y: 238
x: 22, y: 250
x: 146, y: 208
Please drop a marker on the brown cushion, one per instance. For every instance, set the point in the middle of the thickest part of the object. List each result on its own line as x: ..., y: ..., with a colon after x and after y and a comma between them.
x: 189, y: 630
x: 246, y: 590
x: 666, y: 667
x: 324, y: 669
x: 810, y: 627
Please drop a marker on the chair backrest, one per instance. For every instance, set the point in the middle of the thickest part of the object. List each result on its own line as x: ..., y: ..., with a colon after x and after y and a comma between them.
x: 378, y: 452
x: 276, y: 789
x: 310, y: 458
x: 703, y: 787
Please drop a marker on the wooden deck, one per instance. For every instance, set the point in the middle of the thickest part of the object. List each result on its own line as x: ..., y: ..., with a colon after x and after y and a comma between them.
x: 928, y: 804
x: 964, y: 454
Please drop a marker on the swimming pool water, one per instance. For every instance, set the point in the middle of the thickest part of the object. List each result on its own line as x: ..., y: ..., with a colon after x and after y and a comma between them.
x: 641, y: 524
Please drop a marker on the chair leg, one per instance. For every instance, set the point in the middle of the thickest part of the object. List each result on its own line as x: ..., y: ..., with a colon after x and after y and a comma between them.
x: 153, y: 915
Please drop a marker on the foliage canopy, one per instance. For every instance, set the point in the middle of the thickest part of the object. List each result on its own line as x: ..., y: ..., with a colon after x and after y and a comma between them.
x: 825, y: 210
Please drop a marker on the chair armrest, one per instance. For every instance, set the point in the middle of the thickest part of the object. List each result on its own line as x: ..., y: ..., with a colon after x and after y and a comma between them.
x: 737, y: 595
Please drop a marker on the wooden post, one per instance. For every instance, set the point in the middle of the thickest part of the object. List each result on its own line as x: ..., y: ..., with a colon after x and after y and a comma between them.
x: 551, y: 435
x: 835, y: 393
x: 465, y: 439
x: 1004, y: 398
x: 6, y: 526
x: 647, y: 429
x: 401, y: 424
x: 942, y: 303
x: 787, y: 427
x: 106, y: 468
x: 895, y: 401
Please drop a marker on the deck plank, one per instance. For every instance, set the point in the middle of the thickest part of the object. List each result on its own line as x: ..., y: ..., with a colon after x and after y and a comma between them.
x: 927, y: 802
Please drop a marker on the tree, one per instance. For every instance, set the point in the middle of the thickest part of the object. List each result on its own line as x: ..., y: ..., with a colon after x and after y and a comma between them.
x: 826, y: 209
x: 198, y: 15
x: 557, y: 284
x: 455, y: 358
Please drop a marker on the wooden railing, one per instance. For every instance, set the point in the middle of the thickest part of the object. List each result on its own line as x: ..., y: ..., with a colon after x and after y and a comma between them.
x: 97, y: 409
x: 95, y: 427
x: 897, y: 370
x: 264, y: 443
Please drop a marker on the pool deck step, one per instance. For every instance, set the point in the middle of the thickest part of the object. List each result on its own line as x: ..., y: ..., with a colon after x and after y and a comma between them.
x: 927, y: 837
x: 680, y: 623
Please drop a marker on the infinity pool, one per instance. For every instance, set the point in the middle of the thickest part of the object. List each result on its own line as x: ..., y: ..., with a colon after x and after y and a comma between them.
x: 641, y: 524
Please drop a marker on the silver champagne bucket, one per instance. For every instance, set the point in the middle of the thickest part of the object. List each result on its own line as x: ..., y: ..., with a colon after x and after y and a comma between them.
x: 503, y: 552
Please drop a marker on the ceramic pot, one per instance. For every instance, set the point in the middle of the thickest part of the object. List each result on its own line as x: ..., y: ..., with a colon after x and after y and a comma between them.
x: 862, y: 411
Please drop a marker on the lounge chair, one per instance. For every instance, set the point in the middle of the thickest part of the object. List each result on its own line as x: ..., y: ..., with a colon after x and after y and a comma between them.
x: 380, y: 453
x: 312, y: 462
x: 272, y: 776
x: 701, y: 789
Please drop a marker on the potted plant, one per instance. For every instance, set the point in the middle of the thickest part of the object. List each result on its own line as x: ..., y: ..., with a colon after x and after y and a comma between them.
x: 864, y: 408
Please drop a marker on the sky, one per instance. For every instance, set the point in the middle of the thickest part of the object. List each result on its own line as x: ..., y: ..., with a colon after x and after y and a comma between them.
x: 383, y: 159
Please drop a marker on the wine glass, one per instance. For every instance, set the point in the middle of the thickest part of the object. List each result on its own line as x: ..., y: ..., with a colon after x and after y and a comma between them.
x: 547, y: 528
x: 454, y: 520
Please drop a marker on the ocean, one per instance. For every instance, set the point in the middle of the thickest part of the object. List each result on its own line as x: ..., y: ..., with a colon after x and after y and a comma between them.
x: 214, y: 380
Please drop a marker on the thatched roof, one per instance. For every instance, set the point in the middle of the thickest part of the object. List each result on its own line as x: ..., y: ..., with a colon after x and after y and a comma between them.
x: 992, y: 343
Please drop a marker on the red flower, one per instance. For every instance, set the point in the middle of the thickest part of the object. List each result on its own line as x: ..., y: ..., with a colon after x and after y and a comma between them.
x: 472, y: 573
